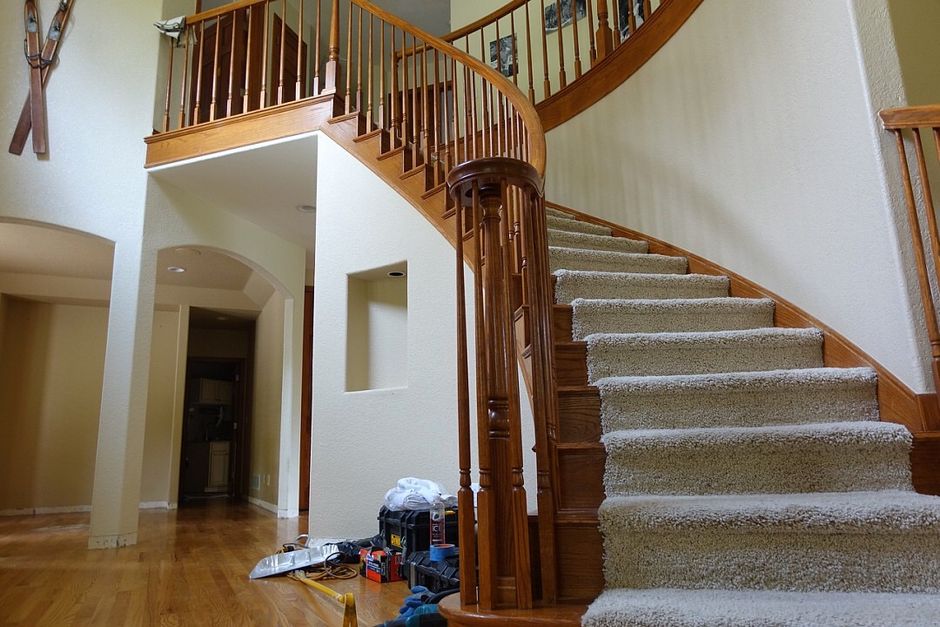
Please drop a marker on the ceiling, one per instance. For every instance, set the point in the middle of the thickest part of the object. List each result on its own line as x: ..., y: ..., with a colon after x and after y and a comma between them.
x: 35, y: 249
x: 221, y: 319
x: 203, y: 268
x: 31, y: 249
x: 263, y: 183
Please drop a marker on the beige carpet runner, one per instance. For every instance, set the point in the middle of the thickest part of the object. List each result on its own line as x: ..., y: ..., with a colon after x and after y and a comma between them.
x: 747, y: 484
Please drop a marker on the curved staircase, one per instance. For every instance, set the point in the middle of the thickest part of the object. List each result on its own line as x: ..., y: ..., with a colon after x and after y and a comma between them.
x: 745, y: 482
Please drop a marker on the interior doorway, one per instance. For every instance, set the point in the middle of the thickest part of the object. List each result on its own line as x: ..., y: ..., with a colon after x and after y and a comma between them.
x: 215, y: 448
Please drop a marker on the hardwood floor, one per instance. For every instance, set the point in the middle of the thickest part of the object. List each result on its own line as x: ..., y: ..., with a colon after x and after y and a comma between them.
x: 190, y: 568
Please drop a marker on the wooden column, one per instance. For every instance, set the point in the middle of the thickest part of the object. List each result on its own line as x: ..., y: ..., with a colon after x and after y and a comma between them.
x: 331, y: 73
x: 505, y: 580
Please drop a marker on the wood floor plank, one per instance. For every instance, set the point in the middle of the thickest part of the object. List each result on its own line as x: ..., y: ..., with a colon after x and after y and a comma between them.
x: 190, y: 568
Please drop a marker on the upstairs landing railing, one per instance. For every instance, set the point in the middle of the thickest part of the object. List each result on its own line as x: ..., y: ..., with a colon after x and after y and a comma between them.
x: 907, y: 124
x: 545, y: 45
x: 242, y: 57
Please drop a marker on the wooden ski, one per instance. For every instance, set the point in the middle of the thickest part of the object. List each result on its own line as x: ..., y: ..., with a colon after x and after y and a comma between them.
x: 37, y: 101
x: 50, y: 50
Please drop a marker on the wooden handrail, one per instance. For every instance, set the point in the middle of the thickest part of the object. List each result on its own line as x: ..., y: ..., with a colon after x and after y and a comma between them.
x: 595, y: 37
x: 200, y: 92
x: 922, y: 116
x: 219, y: 11
x: 455, y: 122
x: 915, y: 119
x: 494, y: 157
x: 530, y: 117
x: 559, y: 76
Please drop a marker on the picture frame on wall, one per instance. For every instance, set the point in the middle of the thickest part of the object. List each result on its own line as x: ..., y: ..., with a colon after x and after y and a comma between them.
x: 503, y: 55
x: 551, y: 13
x: 624, y: 17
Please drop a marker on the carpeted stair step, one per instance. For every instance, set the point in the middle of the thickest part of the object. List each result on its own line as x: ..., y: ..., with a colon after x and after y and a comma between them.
x: 572, y: 284
x: 568, y: 239
x: 577, y: 226
x: 833, y: 457
x: 760, y: 608
x: 657, y: 316
x: 550, y: 211
x: 886, y: 541
x: 580, y: 259
x: 738, y: 399
x: 649, y: 354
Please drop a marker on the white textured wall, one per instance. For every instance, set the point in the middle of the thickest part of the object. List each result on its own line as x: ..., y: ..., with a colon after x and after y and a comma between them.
x: 364, y: 441
x: 266, y: 399
x: 157, y: 478
x: 94, y: 181
x: 751, y: 139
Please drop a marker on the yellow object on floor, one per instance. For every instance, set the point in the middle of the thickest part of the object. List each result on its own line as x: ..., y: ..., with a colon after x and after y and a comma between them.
x: 347, y: 600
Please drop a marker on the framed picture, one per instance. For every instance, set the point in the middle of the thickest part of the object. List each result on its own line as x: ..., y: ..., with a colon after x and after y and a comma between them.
x: 551, y: 13
x: 503, y: 55
x: 624, y: 17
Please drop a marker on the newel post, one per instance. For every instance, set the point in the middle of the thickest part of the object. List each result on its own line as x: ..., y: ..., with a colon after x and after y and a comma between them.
x: 331, y: 73
x: 604, y: 36
x: 480, y: 190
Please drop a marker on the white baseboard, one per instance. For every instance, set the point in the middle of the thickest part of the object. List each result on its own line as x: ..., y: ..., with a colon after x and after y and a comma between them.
x: 78, y: 509
x: 39, y: 511
x: 116, y: 541
x: 157, y: 505
x: 263, y: 504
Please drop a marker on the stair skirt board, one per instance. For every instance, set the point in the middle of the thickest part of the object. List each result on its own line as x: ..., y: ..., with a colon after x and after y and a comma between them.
x: 746, y: 483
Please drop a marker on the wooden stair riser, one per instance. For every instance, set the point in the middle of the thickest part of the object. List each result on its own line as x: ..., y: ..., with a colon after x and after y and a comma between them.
x: 580, y: 478
x: 579, y: 550
x: 579, y: 415
x: 571, y: 363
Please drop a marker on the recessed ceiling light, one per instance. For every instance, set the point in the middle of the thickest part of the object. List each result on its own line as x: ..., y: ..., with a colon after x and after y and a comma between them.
x: 396, y: 273
x: 306, y: 208
x: 176, y: 269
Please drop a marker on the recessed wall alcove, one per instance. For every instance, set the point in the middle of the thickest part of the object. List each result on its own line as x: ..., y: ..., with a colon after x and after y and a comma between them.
x: 377, y: 328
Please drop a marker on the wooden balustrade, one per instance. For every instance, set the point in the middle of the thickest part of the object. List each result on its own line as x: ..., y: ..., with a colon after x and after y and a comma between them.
x: 499, y: 206
x: 454, y: 122
x: 904, y: 123
x: 556, y: 40
x: 242, y: 57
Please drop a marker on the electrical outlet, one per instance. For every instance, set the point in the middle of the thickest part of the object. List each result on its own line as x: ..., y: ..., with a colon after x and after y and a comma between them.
x: 267, y: 480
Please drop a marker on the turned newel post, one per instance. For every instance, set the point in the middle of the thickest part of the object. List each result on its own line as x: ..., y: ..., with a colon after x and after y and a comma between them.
x: 605, y: 37
x: 332, y: 63
x: 481, y: 189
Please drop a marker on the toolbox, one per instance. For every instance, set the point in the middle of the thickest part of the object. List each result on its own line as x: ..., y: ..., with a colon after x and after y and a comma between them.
x: 419, y: 570
x: 410, y: 531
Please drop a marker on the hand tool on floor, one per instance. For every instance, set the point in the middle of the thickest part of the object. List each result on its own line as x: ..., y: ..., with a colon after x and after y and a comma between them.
x: 347, y: 600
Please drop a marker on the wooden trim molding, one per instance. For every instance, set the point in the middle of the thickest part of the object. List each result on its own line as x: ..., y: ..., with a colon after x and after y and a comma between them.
x: 617, y: 67
x: 897, y: 402
x: 293, y: 118
x: 911, y: 117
